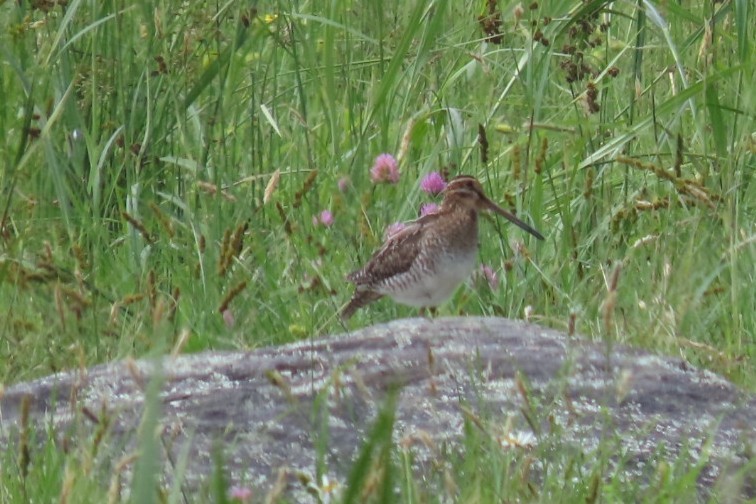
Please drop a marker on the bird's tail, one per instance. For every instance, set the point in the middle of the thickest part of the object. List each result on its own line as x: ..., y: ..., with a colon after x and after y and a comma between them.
x: 360, y: 299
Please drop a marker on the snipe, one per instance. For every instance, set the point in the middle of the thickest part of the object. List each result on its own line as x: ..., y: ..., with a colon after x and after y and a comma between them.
x: 424, y: 263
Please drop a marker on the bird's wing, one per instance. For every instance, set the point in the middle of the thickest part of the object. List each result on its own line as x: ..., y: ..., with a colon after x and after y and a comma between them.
x: 395, y: 256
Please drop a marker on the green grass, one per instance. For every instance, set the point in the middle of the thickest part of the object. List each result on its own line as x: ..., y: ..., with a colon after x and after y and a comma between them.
x: 139, y: 137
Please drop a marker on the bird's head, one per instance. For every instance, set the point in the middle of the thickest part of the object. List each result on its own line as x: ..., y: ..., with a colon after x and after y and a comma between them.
x: 466, y: 191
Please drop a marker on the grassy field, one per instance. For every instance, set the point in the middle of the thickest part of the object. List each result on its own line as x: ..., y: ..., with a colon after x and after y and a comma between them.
x: 166, y: 167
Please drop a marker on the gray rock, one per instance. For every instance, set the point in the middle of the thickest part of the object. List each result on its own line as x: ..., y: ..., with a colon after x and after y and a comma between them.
x: 496, y: 371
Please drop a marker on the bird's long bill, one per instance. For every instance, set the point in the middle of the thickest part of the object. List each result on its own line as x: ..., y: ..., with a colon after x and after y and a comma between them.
x: 511, y: 218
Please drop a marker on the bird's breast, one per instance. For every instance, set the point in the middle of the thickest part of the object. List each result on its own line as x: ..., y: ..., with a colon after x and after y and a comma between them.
x: 432, y: 279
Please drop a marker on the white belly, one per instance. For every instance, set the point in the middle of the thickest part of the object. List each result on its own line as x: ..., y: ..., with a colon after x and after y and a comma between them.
x: 434, y: 288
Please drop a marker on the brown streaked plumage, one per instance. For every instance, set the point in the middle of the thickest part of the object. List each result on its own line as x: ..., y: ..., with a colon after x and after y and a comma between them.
x: 424, y: 263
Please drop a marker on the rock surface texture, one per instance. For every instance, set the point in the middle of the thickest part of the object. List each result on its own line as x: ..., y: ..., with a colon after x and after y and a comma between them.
x: 501, y: 373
